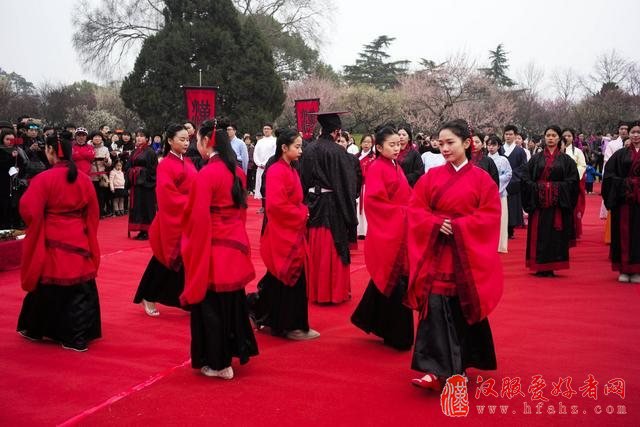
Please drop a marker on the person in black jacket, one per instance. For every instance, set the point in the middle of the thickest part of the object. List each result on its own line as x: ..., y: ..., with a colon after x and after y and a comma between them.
x: 479, y: 158
x: 409, y: 157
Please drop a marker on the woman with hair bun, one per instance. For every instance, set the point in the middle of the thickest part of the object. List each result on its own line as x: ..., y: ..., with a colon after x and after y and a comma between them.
x: 456, y: 275
x: 61, y: 211
x: 217, y: 259
x: 281, y: 300
x: 550, y: 187
x: 381, y: 310
x: 163, y: 280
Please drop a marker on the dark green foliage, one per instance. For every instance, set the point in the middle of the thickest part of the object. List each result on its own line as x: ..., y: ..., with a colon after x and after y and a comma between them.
x: 497, y: 71
x: 371, y: 67
x: 206, y: 35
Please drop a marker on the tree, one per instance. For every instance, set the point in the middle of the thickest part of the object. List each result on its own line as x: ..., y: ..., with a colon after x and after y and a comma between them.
x: 293, y: 58
x: 610, y: 70
x: 603, y: 110
x: 204, y: 35
x: 527, y: 97
x: 312, y: 87
x: 455, y: 89
x: 113, y: 30
x: 633, y: 80
x: 109, y: 34
x: 302, y: 17
x: 499, y: 65
x: 369, y: 107
x: 19, y: 85
x: 566, y: 84
x: 17, y: 96
x: 59, y: 100
x: 372, y: 68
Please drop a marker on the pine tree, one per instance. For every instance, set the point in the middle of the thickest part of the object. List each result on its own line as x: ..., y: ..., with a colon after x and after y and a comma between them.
x: 371, y: 67
x: 497, y: 71
x: 204, y: 35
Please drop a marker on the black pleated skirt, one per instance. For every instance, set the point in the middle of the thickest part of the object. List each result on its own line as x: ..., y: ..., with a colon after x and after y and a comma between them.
x: 160, y: 284
x: 220, y: 330
x: 143, y: 209
x: 446, y: 344
x: 386, y: 317
x: 67, y: 314
x: 282, y: 308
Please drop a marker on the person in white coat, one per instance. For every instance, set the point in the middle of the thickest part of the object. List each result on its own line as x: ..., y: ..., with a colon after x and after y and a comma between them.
x: 504, y: 171
x: 265, y: 148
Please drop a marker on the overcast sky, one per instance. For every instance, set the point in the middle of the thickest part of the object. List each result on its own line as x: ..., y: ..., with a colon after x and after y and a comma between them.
x: 552, y: 33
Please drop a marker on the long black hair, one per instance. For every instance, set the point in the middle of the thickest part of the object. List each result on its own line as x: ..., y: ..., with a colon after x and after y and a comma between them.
x: 286, y: 137
x: 62, y: 142
x: 170, y: 133
x: 382, y: 134
x: 461, y: 129
x: 228, y: 156
x: 571, y: 131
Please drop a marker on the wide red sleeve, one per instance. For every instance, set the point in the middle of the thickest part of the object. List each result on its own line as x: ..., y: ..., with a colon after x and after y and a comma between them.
x: 476, y: 238
x: 283, y: 206
x: 32, y: 211
x: 164, y: 233
x: 283, y: 245
x: 385, y: 248
x: 424, y: 228
x: 92, y: 220
x: 196, y: 239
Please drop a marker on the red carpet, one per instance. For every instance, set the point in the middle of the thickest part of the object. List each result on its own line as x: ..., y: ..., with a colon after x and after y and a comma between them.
x: 581, y: 323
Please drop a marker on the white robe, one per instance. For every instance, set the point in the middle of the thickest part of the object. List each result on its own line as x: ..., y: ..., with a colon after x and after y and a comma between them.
x: 265, y: 148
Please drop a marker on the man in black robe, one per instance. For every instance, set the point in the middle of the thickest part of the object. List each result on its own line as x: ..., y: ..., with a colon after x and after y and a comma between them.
x: 517, y: 159
x: 329, y: 182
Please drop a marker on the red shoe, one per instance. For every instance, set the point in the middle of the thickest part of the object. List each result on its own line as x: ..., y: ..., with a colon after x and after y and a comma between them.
x: 428, y: 382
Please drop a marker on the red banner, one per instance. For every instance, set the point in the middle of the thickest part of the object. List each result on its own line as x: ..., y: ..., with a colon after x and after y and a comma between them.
x: 200, y: 102
x: 306, y: 121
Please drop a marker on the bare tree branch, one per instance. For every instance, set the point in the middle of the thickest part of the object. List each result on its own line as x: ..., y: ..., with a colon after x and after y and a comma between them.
x: 565, y: 83
x: 105, y: 35
x: 108, y: 35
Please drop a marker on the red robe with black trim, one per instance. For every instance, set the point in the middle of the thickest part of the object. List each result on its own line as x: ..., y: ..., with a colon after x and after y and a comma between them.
x: 283, y: 245
x: 215, y: 246
x: 174, y: 180
x: 468, y: 259
x: 61, y: 246
x: 386, y: 202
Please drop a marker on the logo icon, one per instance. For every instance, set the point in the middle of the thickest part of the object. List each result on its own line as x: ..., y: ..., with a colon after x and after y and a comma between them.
x: 454, y: 399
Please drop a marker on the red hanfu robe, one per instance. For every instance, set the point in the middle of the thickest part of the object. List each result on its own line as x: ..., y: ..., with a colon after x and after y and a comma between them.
x: 467, y: 260
x: 61, y: 246
x: 365, y: 164
x: 174, y: 180
x: 215, y: 245
x: 283, y: 245
x: 386, y: 201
